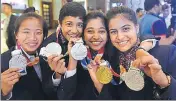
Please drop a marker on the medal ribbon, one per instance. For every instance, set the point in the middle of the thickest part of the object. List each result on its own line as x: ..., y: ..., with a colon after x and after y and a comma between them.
x: 89, y: 57
x: 30, y: 63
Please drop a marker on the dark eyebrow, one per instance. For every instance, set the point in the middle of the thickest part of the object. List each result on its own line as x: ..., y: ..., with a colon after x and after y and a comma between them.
x: 112, y: 30
x: 26, y: 29
x: 68, y: 22
x: 126, y: 26
x: 89, y: 28
x: 121, y: 27
x: 102, y: 28
x: 39, y: 29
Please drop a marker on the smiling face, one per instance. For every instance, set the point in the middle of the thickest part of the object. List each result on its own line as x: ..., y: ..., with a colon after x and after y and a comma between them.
x: 95, y: 34
x: 72, y: 27
x: 123, y: 32
x: 30, y: 34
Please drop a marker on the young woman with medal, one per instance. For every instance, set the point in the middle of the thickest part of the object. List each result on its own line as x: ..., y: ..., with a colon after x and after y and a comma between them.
x: 63, y: 60
x: 23, y: 75
x: 95, y: 70
x: 142, y: 76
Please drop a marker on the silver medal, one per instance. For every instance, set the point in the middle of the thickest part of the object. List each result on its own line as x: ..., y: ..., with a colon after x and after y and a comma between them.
x: 53, y: 49
x: 79, y: 51
x: 19, y: 61
x: 134, y: 79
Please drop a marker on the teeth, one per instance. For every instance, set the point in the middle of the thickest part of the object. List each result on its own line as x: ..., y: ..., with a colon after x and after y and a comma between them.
x: 96, y: 43
x: 32, y: 44
x: 124, y: 42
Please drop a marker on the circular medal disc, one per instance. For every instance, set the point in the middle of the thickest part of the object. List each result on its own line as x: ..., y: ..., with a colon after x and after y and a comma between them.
x: 18, y: 61
x: 53, y: 48
x: 104, y: 75
x: 134, y: 80
x: 79, y: 51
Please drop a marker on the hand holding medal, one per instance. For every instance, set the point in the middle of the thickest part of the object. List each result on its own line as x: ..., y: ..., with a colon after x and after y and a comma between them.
x: 104, y: 74
x: 151, y: 67
x: 18, y: 61
x: 78, y: 50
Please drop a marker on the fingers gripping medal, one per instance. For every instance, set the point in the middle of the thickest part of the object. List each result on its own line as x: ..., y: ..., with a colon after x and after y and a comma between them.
x: 79, y: 51
x: 18, y: 61
x: 104, y: 74
x: 134, y: 79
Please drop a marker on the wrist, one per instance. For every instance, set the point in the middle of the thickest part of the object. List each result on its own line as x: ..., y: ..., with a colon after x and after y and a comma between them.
x: 58, y: 75
x: 72, y: 64
x: 164, y: 80
x: 168, y: 82
x: 4, y: 93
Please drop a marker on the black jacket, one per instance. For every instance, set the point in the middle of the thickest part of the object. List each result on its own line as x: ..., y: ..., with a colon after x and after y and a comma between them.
x: 29, y: 87
x: 67, y: 87
x: 10, y: 32
x: 166, y: 56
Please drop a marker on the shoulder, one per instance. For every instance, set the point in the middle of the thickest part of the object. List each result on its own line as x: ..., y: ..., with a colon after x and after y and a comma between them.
x: 160, y: 49
x: 51, y: 38
x: 166, y: 54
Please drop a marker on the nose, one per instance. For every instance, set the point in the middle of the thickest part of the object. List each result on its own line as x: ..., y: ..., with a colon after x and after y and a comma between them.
x: 33, y: 36
x: 120, y: 36
x: 96, y: 35
x: 74, y: 30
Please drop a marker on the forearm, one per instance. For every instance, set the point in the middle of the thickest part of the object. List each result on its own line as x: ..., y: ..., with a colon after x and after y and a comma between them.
x: 72, y: 64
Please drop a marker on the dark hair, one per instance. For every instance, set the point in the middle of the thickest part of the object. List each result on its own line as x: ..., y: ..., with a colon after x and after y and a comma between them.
x: 138, y: 10
x: 164, y: 7
x: 72, y: 9
x: 149, y: 4
x: 31, y: 15
x: 7, y: 5
x: 30, y: 9
x: 95, y: 15
x: 125, y: 11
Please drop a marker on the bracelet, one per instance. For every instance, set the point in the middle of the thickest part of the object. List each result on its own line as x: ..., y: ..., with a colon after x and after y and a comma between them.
x: 169, y: 82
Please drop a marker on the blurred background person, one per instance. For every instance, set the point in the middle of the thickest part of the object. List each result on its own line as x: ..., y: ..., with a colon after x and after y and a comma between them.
x: 8, y: 27
x: 139, y: 13
x: 165, y: 14
x: 30, y: 9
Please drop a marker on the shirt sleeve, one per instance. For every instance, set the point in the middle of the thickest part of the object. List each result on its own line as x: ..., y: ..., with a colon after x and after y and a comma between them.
x: 70, y: 73
x: 56, y: 82
x: 7, y: 97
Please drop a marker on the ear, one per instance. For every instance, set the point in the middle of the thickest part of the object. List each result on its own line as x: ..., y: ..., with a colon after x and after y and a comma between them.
x: 16, y: 35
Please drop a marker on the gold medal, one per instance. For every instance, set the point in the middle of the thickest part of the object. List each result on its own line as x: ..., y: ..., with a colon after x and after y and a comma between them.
x: 104, y: 75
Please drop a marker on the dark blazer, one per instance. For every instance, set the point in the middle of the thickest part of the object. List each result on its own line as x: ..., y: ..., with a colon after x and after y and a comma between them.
x: 10, y: 32
x: 166, y: 56
x: 80, y: 86
x: 67, y: 87
x: 29, y: 87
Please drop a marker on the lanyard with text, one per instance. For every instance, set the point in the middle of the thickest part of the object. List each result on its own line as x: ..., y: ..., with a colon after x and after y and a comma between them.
x: 29, y: 63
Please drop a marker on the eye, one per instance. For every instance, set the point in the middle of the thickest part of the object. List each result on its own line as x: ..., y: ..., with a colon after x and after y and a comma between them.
x: 69, y: 24
x: 26, y: 32
x: 80, y: 25
x: 39, y: 33
x: 102, y: 31
x: 126, y: 29
x: 113, y: 32
x: 90, y: 31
